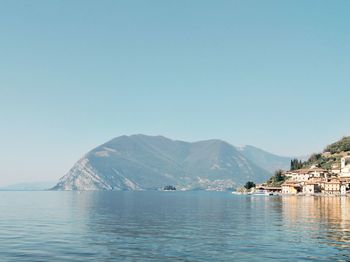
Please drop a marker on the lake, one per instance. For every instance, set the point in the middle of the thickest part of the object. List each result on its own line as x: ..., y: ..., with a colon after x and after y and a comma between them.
x: 172, y: 226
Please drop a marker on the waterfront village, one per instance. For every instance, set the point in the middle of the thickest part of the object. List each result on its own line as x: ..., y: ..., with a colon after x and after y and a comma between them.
x: 314, y: 181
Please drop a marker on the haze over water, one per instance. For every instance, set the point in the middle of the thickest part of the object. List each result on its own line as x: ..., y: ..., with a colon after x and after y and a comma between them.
x: 168, y: 226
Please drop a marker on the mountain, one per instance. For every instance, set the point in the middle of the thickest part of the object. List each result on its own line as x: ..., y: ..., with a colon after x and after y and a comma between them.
x: 33, y: 186
x: 141, y: 162
x: 266, y: 160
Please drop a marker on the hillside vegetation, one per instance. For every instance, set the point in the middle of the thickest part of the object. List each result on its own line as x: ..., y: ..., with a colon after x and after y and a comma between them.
x: 342, y: 145
x: 331, y: 155
x: 277, y: 179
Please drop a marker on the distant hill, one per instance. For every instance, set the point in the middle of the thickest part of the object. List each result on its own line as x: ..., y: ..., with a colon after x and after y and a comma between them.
x: 34, y: 186
x: 141, y: 162
x: 266, y: 160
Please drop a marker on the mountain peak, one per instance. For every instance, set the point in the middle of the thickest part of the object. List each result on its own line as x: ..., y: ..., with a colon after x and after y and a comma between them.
x: 139, y: 162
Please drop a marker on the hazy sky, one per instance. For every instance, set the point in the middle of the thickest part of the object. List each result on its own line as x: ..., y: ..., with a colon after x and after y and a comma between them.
x: 74, y: 74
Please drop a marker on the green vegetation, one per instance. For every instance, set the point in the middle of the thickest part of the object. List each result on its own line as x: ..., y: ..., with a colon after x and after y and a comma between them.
x: 342, y: 145
x: 331, y: 155
x: 295, y: 164
x: 323, y: 160
x: 169, y: 188
x: 249, y: 185
x: 277, y: 179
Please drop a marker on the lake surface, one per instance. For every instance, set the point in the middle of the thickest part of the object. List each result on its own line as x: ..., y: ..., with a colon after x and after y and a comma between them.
x: 172, y: 226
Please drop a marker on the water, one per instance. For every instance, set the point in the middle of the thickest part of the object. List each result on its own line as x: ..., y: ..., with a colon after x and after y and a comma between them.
x: 172, y: 226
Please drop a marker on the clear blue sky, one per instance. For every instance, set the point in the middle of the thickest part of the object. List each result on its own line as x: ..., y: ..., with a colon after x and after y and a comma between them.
x: 73, y: 74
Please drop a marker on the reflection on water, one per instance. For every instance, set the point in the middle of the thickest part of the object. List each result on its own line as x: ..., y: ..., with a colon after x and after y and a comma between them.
x: 325, y: 218
x: 168, y: 226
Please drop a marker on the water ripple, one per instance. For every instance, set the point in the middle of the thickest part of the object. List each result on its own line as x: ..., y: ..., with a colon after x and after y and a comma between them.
x: 173, y: 226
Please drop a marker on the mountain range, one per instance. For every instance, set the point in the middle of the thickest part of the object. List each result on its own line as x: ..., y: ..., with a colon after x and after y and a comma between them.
x: 140, y: 162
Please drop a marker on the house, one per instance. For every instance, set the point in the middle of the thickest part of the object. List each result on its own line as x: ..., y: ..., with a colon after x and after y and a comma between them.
x: 273, y: 189
x: 331, y: 187
x: 291, y: 188
x: 268, y: 189
x: 343, y: 188
x: 298, y: 175
x: 335, y: 169
x: 312, y: 187
x: 317, y: 172
x: 303, y: 175
x: 345, y: 185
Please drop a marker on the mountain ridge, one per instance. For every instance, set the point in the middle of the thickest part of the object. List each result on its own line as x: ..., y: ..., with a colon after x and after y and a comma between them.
x: 271, y: 162
x: 141, y: 162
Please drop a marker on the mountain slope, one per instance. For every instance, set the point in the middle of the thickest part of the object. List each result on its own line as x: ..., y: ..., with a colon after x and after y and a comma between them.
x: 140, y: 162
x: 264, y: 159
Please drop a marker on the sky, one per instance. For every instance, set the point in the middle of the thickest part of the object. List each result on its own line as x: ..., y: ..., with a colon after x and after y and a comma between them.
x: 74, y: 74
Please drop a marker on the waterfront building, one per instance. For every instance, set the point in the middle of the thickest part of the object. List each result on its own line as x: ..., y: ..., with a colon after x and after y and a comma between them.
x: 314, y: 180
x: 291, y: 188
x: 311, y: 187
x: 331, y: 187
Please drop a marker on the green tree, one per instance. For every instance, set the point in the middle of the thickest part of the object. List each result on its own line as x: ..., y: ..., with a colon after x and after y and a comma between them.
x: 277, y: 179
x: 315, y: 157
x: 249, y: 185
x: 279, y: 176
x: 295, y: 164
x: 342, y: 145
x: 168, y: 188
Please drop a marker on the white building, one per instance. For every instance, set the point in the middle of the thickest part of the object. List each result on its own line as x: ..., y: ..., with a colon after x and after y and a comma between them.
x: 311, y: 188
x: 345, y: 167
x: 343, y: 189
x: 303, y: 175
x: 335, y: 169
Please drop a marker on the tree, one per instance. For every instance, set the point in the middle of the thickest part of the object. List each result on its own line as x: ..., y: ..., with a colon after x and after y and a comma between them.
x: 295, y: 164
x: 315, y: 157
x: 277, y: 179
x: 342, y: 145
x: 249, y: 185
x: 169, y: 188
x: 279, y: 176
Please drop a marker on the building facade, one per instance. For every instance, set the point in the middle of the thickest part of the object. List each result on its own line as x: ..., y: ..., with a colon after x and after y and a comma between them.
x: 345, y: 166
